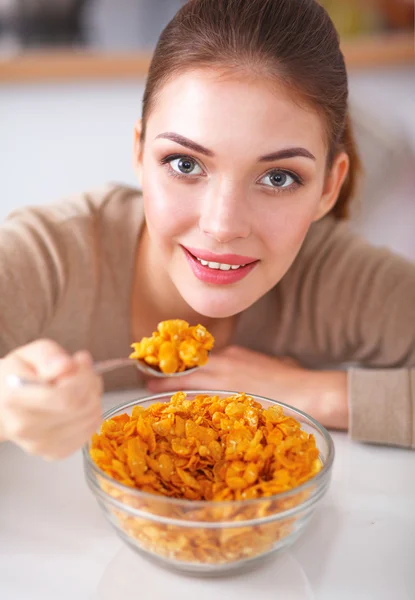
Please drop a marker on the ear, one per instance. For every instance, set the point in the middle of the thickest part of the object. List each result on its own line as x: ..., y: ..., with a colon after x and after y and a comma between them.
x: 138, y: 149
x: 332, y: 185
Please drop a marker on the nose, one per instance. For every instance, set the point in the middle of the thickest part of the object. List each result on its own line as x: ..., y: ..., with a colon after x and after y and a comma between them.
x: 224, y: 214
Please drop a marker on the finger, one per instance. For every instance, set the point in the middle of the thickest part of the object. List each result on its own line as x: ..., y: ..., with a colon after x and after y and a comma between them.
x: 33, y: 412
x: 66, y: 441
x: 83, y: 358
x: 68, y: 420
x: 60, y: 441
x: 70, y: 396
x: 34, y: 419
x: 44, y: 358
x: 80, y: 393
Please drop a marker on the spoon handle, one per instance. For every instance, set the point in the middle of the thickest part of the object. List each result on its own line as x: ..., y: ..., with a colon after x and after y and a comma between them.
x: 110, y: 365
x: 101, y: 367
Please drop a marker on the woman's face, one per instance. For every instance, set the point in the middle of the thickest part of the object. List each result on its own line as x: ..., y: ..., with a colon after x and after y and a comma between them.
x: 233, y: 174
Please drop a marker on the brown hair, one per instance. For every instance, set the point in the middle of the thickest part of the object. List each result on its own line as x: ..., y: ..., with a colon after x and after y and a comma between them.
x: 293, y: 41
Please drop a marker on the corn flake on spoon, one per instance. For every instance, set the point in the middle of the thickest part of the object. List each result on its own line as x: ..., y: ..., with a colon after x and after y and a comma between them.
x: 174, y: 350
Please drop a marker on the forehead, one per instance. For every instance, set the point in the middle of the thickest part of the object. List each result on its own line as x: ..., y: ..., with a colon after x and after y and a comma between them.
x: 212, y: 108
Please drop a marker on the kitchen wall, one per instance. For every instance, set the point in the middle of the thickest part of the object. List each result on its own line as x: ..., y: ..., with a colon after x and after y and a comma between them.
x: 58, y: 139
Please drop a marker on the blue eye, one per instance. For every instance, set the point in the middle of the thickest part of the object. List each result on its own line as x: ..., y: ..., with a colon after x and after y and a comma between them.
x: 185, y: 166
x: 278, y: 179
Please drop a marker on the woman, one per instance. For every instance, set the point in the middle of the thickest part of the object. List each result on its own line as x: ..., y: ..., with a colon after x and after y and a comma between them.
x: 247, y: 163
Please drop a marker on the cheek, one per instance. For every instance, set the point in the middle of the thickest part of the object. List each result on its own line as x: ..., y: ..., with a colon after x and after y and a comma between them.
x: 284, y: 231
x: 167, y: 214
x: 160, y: 223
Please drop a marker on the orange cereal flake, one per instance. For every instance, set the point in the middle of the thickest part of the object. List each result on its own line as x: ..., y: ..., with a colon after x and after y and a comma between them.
x: 210, y: 448
x: 175, y: 346
x: 219, y: 448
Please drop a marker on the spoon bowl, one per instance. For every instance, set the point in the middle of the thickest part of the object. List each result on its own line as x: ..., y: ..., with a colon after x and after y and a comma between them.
x: 118, y: 363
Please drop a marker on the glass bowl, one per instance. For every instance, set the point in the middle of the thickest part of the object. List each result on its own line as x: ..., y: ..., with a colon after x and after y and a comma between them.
x: 210, y: 537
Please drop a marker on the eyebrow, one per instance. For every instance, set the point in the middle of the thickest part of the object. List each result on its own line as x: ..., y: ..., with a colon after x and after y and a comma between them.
x: 287, y: 153
x: 280, y: 154
x: 179, y: 139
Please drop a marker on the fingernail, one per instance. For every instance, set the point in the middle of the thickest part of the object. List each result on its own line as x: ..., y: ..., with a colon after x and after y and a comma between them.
x: 84, y: 358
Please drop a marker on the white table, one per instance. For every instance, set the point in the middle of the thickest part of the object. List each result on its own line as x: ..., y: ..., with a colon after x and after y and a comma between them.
x: 56, y: 545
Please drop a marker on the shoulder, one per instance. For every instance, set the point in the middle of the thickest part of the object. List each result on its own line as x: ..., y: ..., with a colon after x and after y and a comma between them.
x: 57, y: 257
x: 78, y: 221
x: 81, y: 207
x: 333, y: 246
x: 327, y: 236
x: 72, y: 240
x: 337, y: 269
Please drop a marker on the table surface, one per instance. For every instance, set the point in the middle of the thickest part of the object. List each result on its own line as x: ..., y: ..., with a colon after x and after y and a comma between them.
x: 55, y: 543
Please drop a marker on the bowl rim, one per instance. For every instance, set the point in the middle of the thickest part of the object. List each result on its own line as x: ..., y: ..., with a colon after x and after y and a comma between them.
x: 321, y: 475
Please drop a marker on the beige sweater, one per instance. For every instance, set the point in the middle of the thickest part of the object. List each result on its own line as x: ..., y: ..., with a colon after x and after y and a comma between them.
x: 66, y: 274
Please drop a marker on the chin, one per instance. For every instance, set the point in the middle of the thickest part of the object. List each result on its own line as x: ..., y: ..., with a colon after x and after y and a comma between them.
x: 217, y: 304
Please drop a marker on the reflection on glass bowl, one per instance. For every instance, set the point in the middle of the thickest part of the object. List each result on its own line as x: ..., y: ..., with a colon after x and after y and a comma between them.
x: 128, y: 578
x: 203, y: 537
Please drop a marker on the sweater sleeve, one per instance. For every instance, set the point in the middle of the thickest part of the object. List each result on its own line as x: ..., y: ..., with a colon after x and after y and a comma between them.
x: 46, y: 255
x: 364, y: 300
x: 32, y: 276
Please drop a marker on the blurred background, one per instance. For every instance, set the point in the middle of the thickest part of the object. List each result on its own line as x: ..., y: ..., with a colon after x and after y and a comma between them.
x: 72, y: 74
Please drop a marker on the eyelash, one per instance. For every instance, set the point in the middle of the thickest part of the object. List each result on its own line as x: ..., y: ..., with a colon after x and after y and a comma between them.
x: 168, y: 159
x: 298, y: 181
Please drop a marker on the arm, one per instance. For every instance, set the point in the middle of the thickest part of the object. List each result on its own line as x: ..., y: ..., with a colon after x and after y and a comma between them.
x: 44, y: 270
x: 363, y: 311
x: 30, y: 278
x: 322, y: 394
x: 47, y: 274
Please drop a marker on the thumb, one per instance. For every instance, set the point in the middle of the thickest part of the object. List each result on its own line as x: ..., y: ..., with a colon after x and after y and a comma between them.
x: 83, y: 359
x: 43, y: 358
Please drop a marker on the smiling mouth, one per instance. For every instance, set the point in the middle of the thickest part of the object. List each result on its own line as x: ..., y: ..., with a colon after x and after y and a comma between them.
x: 220, y: 262
x: 218, y: 266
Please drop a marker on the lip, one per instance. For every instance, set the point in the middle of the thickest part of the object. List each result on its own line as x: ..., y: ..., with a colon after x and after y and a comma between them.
x: 227, y: 259
x: 217, y: 276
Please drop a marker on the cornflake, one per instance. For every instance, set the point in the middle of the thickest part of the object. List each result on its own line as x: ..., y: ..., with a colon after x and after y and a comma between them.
x: 175, y: 346
x: 208, y: 449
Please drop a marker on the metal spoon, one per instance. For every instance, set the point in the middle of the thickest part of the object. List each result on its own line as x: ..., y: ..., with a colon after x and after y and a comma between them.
x: 104, y: 367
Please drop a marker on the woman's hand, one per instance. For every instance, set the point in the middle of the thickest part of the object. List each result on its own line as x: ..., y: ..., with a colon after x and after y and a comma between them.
x: 322, y: 394
x: 50, y: 420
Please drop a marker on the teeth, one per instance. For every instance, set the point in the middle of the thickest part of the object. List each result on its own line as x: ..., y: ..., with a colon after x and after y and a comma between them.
x: 219, y: 266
